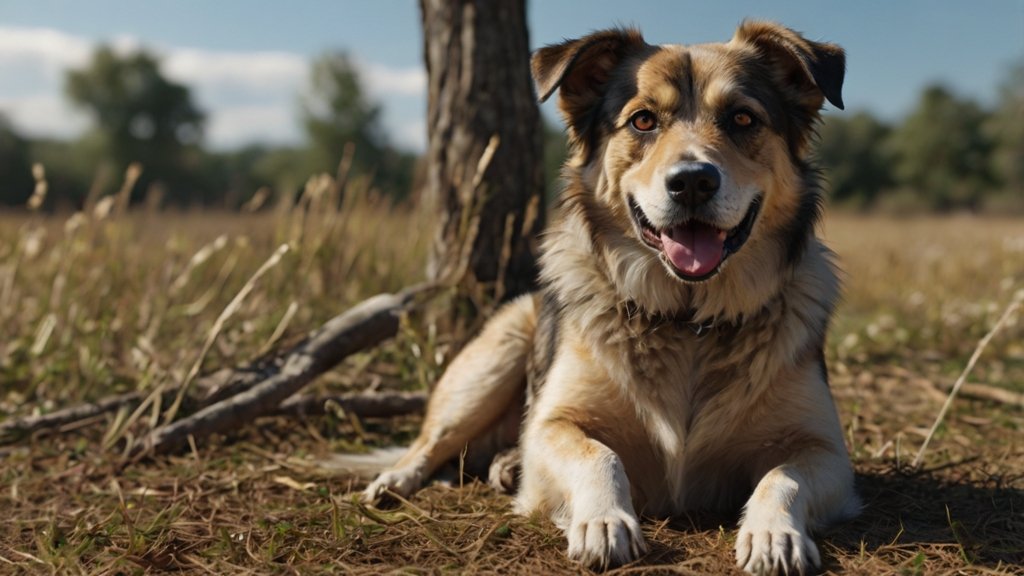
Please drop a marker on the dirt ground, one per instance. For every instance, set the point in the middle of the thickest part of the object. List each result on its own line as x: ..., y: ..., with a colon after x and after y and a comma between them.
x: 920, y: 295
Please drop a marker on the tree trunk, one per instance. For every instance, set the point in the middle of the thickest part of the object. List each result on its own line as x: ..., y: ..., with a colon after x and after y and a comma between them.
x: 478, y: 65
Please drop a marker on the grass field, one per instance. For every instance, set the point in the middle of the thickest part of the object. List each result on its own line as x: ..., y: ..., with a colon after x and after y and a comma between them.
x: 108, y: 302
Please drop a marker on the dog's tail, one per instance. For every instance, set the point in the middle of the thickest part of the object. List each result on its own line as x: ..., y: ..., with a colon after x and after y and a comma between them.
x: 363, y: 466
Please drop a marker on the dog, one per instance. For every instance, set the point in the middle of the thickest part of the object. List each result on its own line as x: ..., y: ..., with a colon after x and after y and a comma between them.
x: 672, y: 358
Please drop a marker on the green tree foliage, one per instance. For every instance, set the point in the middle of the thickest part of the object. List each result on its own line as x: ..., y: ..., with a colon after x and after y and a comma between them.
x: 949, y: 153
x: 853, y: 154
x: 74, y: 168
x: 15, y: 167
x: 240, y: 173
x: 1006, y: 127
x: 336, y: 112
x: 142, y: 117
x: 942, y: 153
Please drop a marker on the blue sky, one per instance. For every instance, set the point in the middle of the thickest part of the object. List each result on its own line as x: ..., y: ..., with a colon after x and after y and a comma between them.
x: 247, y: 60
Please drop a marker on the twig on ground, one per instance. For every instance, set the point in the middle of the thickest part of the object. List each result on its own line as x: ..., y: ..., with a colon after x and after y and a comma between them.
x: 976, y: 391
x: 1011, y: 309
x: 364, y: 405
x: 972, y: 390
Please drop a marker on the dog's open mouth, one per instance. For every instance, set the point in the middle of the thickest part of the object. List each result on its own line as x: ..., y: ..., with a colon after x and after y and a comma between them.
x: 695, y: 250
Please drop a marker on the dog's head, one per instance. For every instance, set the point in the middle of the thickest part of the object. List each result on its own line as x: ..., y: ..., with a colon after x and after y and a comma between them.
x: 702, y: 148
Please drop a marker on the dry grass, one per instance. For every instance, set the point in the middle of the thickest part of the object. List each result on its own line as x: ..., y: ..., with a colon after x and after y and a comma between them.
x: 108, y: 303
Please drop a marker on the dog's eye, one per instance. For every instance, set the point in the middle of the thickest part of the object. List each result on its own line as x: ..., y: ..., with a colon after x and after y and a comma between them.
x: 742, y: 119
x: 643, y: 121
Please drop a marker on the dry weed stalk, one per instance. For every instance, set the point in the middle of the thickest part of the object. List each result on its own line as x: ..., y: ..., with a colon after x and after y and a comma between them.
x: 279, y: 330
x: 35, y: 202
x: 1011, y: 309
x: 124, y: 195
x: 218, y: 325
x: 348, y: 154
x: 257, y: 201
x: 60, y: 279
x: 200, y: 257
x: 469, y: 224
x: 99, y: 181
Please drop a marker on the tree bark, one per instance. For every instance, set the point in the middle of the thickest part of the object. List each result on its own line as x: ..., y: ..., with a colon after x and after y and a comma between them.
x: 478, y: 66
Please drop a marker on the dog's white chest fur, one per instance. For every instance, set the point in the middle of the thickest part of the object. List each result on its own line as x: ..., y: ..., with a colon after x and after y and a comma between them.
x: 661, y: 381
x: 673, y: 388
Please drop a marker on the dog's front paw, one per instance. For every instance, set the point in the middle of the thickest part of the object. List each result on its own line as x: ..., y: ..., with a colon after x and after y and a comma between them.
x: 400, y: 481
x: 775, y: 544
x: 606, y: 539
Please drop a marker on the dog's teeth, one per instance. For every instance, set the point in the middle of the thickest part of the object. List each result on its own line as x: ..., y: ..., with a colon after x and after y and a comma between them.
x: 721, y: 234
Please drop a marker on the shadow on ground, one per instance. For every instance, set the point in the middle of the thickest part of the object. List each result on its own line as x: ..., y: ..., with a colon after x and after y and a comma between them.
x: 952, y: 520
x: 927, y: 517
x: 941, y: 521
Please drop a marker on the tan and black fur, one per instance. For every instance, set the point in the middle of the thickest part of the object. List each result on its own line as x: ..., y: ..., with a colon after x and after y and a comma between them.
x: 673, y: 358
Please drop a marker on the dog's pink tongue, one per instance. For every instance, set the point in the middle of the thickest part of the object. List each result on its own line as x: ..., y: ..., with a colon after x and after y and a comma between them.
x: 694, y: 248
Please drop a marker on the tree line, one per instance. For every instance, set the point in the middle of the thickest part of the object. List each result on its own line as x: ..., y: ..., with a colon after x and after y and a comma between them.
x: 139, y: 116
x: 948, y: 153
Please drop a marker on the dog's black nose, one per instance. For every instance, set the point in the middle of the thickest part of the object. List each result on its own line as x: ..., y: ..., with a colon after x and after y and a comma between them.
x: 692, y: 183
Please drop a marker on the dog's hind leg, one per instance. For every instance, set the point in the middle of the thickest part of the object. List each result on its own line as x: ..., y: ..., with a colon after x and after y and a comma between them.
x: 503, y: 473
x: 480, y: 395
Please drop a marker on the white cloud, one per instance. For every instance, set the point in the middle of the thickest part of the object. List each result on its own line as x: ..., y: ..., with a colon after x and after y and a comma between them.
x: 248, y: 96
x: 44, y: 115
x: 240, y: 125
x: 42, y: 46
x: 382, y: 80
x: 266, y: 72
x: 411, y: 135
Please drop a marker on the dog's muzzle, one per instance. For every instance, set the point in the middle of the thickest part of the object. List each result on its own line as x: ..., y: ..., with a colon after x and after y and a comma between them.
x: 695, y: 250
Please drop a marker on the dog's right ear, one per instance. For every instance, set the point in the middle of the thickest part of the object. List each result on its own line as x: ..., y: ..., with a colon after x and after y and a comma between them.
x: 581, y: 69
x: 581, y: 65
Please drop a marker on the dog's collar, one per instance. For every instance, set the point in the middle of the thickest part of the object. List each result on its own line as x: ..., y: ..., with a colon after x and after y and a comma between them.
x: 701, y: 328
x: 681, y: 319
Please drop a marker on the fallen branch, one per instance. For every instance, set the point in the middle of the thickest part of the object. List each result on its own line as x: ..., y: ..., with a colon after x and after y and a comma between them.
x: 361, y: 327
x: 227, y: 382
x: 215, y: 386
x: 362, y: 404
x: 19, y: 427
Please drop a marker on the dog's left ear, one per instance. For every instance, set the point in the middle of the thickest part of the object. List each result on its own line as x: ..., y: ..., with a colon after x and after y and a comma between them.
x: 815, y: 68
